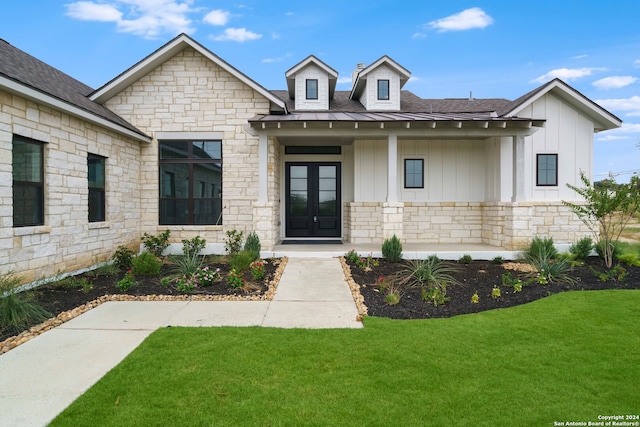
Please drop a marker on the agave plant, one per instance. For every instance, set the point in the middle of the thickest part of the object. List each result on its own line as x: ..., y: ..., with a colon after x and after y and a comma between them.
x: 427, y: 272
x: 18, y: 309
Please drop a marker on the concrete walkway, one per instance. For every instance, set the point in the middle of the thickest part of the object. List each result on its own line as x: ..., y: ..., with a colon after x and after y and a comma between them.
x: 42, y: 377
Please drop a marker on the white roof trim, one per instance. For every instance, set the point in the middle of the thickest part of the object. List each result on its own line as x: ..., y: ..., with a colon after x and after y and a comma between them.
x: 55, y: 103
x: 603, y: 118
x: 358, y: 85
x: 167, y: 52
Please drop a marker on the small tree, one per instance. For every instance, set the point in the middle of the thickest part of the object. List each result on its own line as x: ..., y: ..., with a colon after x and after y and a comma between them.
x: 606, y: 210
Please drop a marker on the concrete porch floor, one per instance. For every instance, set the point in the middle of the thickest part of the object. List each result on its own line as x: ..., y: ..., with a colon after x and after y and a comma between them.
x: 449, y: 251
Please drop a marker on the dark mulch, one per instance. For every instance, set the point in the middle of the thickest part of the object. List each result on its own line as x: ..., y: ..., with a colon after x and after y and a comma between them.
x: 59, y: 297
x: 480, y: 276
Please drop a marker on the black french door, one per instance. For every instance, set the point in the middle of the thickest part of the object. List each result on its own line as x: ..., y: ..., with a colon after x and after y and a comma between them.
x: 312, y: 199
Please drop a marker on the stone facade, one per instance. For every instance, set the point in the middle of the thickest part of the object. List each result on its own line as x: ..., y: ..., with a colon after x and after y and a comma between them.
x: 190, y: 94
x: 66, y: 241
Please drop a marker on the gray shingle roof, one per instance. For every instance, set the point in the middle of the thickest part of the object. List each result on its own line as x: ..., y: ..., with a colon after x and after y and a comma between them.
x: 409, y: 103
x: 23, y: 68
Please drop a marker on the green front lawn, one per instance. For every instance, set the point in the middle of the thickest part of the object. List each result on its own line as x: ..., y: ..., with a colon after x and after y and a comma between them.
x: 569, y: 357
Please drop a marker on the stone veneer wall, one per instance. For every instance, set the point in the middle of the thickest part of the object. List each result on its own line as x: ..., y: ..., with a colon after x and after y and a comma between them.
x: 67, y: 241
x: 189, y: 93
x: 502, y: 224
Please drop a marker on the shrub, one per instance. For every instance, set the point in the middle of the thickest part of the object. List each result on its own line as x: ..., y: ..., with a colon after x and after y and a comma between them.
x: 615, y: 274
x: 465, y: 259
x: 193, y: 246
x: 498, y: 260
x: 188, y: 264
x: 257, y: 270
x: 426, y: 273
x: 582, y: 248
x: 539, y: 245
x: 629, y: 259
x: 352, y: 256
x: 233, y: 242
x: 241, y: 261
x: 156, y: 244
x: 235, y: 279
x: 146, y: 264
x: 122, y: 257
x: 549, y: 269
x: 436, y: 294
x: 392, y: 249
x: 127, y: 282
x: 18, y: 310
x: 253, y: 243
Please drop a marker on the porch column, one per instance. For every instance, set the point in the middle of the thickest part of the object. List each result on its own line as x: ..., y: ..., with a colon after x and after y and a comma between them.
x: 263, y: 160
x: 392, y: 168
x: 518, y: 194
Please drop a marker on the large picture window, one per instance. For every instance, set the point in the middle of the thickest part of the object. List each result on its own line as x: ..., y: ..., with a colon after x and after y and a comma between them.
x: 414, y: 173
x: 547, y: 170
x: 96, y: 182
x: 190, y: 182
x: 28, y: 182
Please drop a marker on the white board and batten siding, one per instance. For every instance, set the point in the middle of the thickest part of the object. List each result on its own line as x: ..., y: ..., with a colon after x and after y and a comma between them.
x: 312, y: 72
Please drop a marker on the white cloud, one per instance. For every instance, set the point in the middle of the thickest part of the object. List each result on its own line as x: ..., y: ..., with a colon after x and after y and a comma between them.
x: 237, y: 35
x: 629, y: 105
x: 614, y: 82
x: 419, y: 36
x: 636, y: 63
x: 628, y: 131
x: 217, y: 17
x: 579, y: 56
x: 344, y: 80
x: 88, y: 11
x: 147, y: 18
x: 278, y: 59
x: 466, y: 20
x: 566, y: 74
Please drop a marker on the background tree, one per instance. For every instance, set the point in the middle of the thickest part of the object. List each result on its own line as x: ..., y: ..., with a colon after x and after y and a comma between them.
x: 606, y: 210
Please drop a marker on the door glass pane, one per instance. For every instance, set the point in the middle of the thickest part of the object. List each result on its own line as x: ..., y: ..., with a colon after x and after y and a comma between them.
x: 327, y: 203
x: 299, y: 203
x: 298, y: 172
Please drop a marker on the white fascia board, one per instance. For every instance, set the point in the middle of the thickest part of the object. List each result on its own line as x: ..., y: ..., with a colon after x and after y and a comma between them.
x: 403, y: 72
x: 602, y: 116
x: 311, y: 59
x: 57, y: 104
x: 165, y: 53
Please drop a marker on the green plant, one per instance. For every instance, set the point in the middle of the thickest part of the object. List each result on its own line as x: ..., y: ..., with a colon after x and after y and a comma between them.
x: 629, y: 259
x: 122, y: 257
x: 582, y: 248
x: 233, y: 242
x: 252, y: 244
x: 465, y: 259
x: 108, y: 269
x: 74, y: 282
x: 193, y: 246
x: 392, y: 249
x: 614, y: 274
x: 127, y: 282
x: 475, y: 298
x: 146, y: 264
x: 207, y: 276
x: 547, y: 268
x: 498, y: 260
x: 607, y: 209
x: 257, y: 270
x: 165, y: 281
x: 352, y: 256
x: 187, y: 265
x: 186, y: 284
x: 381, y: 283
x: 367, y: 263
x: 431, y: 271
x: 18, y: 310
x: 495, y: 292
x: 541, y: 245
x: 614, y: 250
x: 437, y: 294
x: 513, y: 282
x: 156, y: 244
x: 392, y: 298
x: 235, y: 279
x: 241, y: 261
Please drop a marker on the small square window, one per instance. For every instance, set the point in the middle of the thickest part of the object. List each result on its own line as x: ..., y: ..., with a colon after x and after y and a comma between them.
x: 547, y: 170
x: 383, y: 90
x: 312, y: 88
x: 414, y: 173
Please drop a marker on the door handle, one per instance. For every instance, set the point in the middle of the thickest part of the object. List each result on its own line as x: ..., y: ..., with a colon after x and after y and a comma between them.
x: 315, y: 219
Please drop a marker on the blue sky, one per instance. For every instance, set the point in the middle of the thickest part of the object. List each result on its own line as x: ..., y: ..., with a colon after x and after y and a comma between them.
x: 494, y: 49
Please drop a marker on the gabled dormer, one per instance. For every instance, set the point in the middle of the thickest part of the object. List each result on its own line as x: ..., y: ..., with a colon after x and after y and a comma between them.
x: 311, y: 84
x: 377, y: 86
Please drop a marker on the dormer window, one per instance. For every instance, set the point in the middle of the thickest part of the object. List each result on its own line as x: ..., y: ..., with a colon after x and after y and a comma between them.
x: 383, y: 90
x: 312, y: 88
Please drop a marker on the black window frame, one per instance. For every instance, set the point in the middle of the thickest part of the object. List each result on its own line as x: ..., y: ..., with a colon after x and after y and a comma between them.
x: 97, y: 213
x: 308, y: 89
x: 34, y: 210
x: 412, y: 187
x: 190, y: 160
x: 538, y: 170
x: 388, y: 89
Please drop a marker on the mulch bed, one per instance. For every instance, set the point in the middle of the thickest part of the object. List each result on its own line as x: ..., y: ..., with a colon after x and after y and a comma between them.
x: 65, y: 302
x: 480, y: 277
